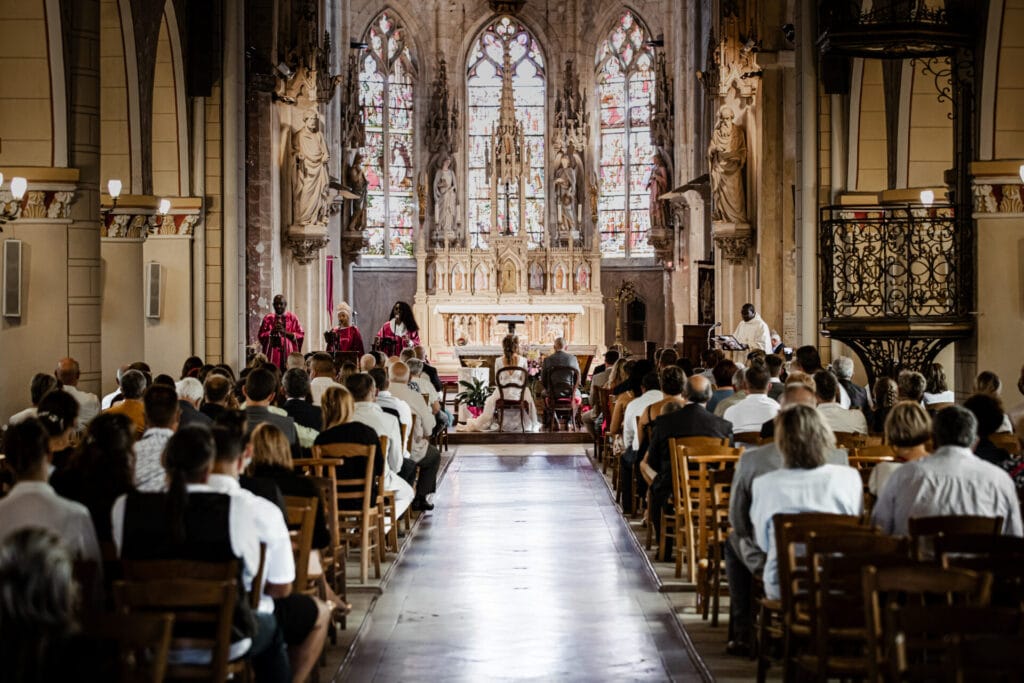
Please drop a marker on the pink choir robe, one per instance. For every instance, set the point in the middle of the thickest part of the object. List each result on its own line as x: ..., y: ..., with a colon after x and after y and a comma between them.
x: 277, y: 348
x: 348, y: 338
x: 391, y: 343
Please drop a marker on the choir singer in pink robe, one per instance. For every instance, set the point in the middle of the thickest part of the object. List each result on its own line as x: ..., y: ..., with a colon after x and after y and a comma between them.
x: 280, y: 333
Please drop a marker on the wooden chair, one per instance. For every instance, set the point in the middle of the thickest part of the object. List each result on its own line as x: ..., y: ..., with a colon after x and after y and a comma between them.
x: 203, y: 607
x: 142, y: 643
x: 749, y: 438
x: 993, y: 657
x: 1008, y: 442
x: 508, y: 388
x: 788, y: 617
x: 669, y: 527
x: 902, y: 587
x: 300, y: 515
x: 836, y: 616
x: 561, y: 396
x: 721, y: 487
x: 322, y: 472
x: 354, y: 525
x: 954, y: 524
x: 867, y: 457
x: 386, y: 507
x: 693, y: 478
x: 851, y: 440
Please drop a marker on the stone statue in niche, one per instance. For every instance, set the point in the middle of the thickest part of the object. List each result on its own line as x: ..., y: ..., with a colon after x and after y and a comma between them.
x: 431, y: 277
x: 583, y: 278
x: 561, y: 278
x: 727, y: 155
x: 657, y: 185
x: 536, y: 276
x: 508, y: 278
x: 445, y: 201
x: 481, y: 279
x: 566, y: 191
x: 356, y: 179
x: 310, y: 181
x: 458, y: 278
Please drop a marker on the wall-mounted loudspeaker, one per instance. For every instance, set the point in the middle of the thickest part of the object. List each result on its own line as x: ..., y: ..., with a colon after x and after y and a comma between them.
x: 12, y: 279
x: 154, y: 287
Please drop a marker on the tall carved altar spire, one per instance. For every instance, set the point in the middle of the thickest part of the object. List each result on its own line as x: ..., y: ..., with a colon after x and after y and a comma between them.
x: 509, y: 159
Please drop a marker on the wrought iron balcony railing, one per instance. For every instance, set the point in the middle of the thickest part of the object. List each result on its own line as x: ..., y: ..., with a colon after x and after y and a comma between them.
x: 897, y: 281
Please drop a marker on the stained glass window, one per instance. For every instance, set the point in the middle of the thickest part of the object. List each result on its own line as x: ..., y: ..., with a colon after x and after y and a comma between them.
x: 625, y: 81
x: 386, y: 91
x: 483, y: 84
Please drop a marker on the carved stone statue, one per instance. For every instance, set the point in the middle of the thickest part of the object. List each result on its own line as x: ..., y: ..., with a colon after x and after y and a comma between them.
x: 445, y: 200
x: 356, y: 179
x: 565, y: 194
x: 727, y: 154
x: 508, y: 278
x: 657, y: 185
x: 310, y: 183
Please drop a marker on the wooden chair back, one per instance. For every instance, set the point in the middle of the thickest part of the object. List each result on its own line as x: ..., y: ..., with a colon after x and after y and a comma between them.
x: 692, y: 467
x: 506, y: 381
x: 851, y: 440
x: 202, y: 605
x: 1007, y: 441
x: 867, y: 457
x: 954, y: 524
x: 913, y: 585
x: 1007, y: 572
x: 142, y: 643
x: 300, y: 515
x: 333, y: 558
x: 358, y: 517
x: 994, y: 657
x: 751, y: 438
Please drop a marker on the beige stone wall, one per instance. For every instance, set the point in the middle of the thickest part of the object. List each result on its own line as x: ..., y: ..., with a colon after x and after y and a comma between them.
x: 930, y: 138
x: 168, y: 339
x: 1009, y: 109
x: 122, y: 306
x: 115, y: 121
x: 165, y: 121
x: 1001, y: 298
x: 34, y: 342
x: 26, y: 118
x: 871, y: 139
x: 213, y: 227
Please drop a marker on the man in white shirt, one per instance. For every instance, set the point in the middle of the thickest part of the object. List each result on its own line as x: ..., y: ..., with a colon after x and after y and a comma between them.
x: 651, y: 388
x: 322, y: 377
x: 753, y: 411
x: 753, y: 331
x: 162, y: 413
x: 838, y: 418
x: 367, y: 411
x: 422, y: 455
x: 950, y: 481
x: 389, y: 403
x: 33, y: 502
x: 67, y: 373
x: 302, y: 618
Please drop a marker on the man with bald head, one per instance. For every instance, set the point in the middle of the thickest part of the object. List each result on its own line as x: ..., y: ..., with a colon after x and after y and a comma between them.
x: 693, y: 419
x: 68, y: 373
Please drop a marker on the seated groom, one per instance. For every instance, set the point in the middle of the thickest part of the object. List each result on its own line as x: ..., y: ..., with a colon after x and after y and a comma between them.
x: 560, y: 358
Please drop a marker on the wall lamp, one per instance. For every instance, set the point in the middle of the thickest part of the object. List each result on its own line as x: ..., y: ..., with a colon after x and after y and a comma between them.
x: 12, y: 210
x: 156, y: 220
x: 1020, y: 172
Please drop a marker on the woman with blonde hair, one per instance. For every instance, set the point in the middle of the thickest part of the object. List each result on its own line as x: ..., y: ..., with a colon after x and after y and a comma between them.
x: 908, y: 430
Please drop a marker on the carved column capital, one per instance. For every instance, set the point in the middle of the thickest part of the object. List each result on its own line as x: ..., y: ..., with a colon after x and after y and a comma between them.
x: 734, y: 240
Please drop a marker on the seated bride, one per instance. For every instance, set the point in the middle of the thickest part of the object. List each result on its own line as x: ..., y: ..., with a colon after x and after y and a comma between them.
x: 509, y: 358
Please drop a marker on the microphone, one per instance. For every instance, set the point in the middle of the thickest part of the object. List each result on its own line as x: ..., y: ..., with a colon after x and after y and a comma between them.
x: 717, y: 325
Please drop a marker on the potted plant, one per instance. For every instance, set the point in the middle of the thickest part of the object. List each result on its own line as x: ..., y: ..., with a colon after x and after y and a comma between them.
x: 474, y: 395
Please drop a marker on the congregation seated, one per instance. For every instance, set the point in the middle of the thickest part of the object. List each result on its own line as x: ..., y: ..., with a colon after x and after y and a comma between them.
x: 672, y: 383
x: 32, y: 502
x: 739, y: 392
x: 424, y: 458
x: 857, y: 397
x: 950, y: 481
x: 774, y: 363
x: 559, y: 358
x: 162, y: 415
x: 296, y: 385
x: 839, y: 419
x: 988, y: 411
x: 68, y: 373
x: 218, y: 395
x: 911, y: 386
x: 58, y: 412
x: 722, y: 376
x: 190, y: 397
x: 936, y: 387
x: 321, y: 376
x: 101, y: 470
x: 908, y: 429
x: 988, y: 382
x: 133, y: 386
x: 41, y: 385
x: 756, y: 408
x: 260, y: 389
x: 885, y: 394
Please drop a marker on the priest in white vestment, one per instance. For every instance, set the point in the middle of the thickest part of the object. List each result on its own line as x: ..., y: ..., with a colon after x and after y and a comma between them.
x: 753, y: 331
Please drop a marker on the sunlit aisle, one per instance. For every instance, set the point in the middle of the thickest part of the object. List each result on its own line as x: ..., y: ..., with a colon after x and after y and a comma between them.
x: 523, y: 571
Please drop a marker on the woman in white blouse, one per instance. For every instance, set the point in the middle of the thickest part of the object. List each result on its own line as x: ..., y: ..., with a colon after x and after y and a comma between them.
x: 510, y: 358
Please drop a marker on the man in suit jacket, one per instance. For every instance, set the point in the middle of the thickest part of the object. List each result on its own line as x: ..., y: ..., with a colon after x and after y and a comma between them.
x: 693, y: 419
x: 296, y: 390
x: 559, y: 359
x: 259, y: 390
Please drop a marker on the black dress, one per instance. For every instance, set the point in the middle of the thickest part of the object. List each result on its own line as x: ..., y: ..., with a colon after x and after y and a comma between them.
x: 354, y: 432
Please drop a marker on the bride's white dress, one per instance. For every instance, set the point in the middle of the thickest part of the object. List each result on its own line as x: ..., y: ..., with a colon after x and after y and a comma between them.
x: 486, y: 421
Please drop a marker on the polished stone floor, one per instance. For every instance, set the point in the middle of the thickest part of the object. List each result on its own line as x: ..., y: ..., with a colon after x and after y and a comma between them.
x: 525, y: 571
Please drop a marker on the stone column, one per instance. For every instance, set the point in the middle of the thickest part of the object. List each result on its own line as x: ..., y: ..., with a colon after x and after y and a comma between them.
x: 735, y: 285
x: 307, y: 282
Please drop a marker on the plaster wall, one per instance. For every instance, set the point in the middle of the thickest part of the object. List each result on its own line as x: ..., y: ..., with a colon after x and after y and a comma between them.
x: 39, y: 338
x: 115, y: 153
x: 871, y: 143
x: 121, y: 317
x: 931, y: 133
x: 26, y: 115
x: 1009, y: 108
x: 168, y: 339
x: 165, y: 120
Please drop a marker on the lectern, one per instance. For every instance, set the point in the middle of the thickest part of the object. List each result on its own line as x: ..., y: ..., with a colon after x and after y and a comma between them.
x: 511, y: 321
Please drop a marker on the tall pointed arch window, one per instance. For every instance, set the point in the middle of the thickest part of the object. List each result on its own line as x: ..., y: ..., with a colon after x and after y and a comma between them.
x: 483, y: 85
x: 625, y: 82
x: 386, y: 91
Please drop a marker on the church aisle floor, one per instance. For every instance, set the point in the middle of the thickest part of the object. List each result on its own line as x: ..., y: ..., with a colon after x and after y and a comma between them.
x: 524, y: 571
